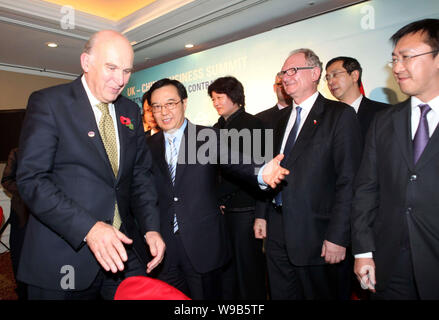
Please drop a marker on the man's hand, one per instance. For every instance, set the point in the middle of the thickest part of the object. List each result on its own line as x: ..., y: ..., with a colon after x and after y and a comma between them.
x: 260, y: 228
x: 364, y: 268
x: 273, y: 173
x: 156, y: 247
x: 106, y: 243
x: 332, y: 252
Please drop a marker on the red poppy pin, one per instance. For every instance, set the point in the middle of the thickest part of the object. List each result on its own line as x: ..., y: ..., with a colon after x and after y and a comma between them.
x: 315, y: 122
x: 126, y: 121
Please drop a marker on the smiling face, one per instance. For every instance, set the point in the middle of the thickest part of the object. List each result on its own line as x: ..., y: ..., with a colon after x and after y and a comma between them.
x: 223, y: 104
x: 168, y: 120
x: 107, y: 66
x: 304, y: 83
x: 342, y: 85
x: 418, y: 76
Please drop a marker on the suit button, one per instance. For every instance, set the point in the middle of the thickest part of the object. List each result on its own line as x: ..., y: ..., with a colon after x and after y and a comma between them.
x: 409, y: 210
x: 413, y: 177
x: 175, y: 199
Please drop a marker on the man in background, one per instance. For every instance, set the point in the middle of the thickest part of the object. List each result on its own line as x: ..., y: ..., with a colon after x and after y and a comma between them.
x: 271, y: 116
x: 343, y: 76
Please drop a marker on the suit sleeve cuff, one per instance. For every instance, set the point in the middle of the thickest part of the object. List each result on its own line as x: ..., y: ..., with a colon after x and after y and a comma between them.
x: 364, y: 255
x: 261, y: 182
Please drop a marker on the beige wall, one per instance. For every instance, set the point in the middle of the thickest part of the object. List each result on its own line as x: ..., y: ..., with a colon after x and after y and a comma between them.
x: 16, y: 88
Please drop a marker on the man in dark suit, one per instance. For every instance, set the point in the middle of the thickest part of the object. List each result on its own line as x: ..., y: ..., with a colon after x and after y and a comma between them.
x: 307, y: 224
x: 343, y: 75
x: 395, y: 220
x: 271, y: 116
x: 186, y: 170
x: 85, y: 173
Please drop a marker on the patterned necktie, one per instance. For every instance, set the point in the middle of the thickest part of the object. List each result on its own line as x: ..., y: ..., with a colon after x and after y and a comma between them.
x: 172, y: 166
x: 108, y: 135
x: 288, y: 147
x: 422, y: 134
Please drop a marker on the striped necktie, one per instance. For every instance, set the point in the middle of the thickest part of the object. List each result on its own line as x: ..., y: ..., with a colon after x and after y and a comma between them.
x: 108, y: 135
x: 172, y: 166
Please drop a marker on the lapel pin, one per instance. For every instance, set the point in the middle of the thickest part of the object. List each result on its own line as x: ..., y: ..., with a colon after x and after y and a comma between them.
x: 315, y: 122
x: 91, y: 134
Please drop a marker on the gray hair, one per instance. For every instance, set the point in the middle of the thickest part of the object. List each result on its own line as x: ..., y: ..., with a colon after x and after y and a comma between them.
x: 312, y: 60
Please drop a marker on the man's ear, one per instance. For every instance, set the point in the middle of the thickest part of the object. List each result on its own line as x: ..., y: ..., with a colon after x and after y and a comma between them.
x: 315, y: 74
x: 355, y: 75
x: 85, y: 61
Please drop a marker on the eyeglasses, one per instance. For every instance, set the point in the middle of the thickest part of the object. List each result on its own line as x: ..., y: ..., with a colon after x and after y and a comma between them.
x: 406, y: 58
x: 336, y: 74
x: 156, y: 108
x: 292, y: 71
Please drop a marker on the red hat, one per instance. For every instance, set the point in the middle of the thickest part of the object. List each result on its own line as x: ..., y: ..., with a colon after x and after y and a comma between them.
x: 145, y: 288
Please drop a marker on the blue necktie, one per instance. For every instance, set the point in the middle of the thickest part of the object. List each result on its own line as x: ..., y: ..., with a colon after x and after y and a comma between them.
x: 288, y: 147
x: 172, y: 166
x: 422, y: 135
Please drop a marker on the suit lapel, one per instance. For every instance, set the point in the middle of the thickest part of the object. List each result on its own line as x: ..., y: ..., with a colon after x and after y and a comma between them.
x: 279, y: 130
x: 87, y: 122
x: 309, y: 127
x: 160, y: 154
x: 402, y: 126
x: 118, y: 107
x: 430, y: 151
x: 182, y: 152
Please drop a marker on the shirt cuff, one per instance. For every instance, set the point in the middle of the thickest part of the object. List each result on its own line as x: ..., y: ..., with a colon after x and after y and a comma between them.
x: 364, y: 255
x: 261, y: 182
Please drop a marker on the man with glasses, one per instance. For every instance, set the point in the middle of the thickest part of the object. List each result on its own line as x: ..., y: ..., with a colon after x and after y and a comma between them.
x: 395, y: 218
x: 307, y: 223
x: 191, y: 222
x: 343, y: 76
x: 271, y: 116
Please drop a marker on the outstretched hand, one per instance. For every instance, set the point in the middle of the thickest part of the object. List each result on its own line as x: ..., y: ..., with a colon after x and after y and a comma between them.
x: 273, y: 173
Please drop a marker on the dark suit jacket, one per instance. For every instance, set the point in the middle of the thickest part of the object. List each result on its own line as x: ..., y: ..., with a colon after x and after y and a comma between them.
x: 233, y: 192
x: 367, y: 110
x: 271, y: 116
x: 193, y: 197
x: 394, y: 197
x: 318, y: 191
x: 65, y: 178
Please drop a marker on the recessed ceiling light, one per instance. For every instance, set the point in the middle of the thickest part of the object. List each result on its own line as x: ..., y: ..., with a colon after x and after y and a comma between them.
x: 51, y: 44
x: 189, y: 45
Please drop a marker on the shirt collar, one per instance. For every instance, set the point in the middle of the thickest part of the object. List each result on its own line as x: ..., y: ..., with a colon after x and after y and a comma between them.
x: 308, y: 103
x: 178, y: 134
x: 433, y: 103
x: 223, y: 122
x: 91, y: 97
x: 356, y: 103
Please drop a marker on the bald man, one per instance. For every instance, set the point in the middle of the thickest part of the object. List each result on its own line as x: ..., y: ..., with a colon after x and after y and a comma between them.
x: 84, y: 172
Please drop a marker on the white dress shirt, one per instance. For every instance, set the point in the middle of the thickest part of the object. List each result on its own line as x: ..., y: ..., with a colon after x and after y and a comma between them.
x: 306, y: 108
x: 356, y: 103
x: 98, y: 113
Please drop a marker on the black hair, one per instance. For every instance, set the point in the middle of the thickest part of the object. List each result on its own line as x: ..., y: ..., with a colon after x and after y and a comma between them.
x: 182, y: 93
x: 350, y: 64
x: 429, y: 27
x: 229, y: 86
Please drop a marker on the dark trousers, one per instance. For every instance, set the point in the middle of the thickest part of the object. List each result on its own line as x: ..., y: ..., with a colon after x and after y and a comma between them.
x: 291, y: 282
x: 179, y: 272
x: 244, y: 276
x: 402, y: 285
x: 16, y: 239
x: 103, y: 287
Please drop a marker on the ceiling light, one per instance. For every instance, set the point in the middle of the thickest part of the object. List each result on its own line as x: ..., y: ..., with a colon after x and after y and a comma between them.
x: 189, y: 45
x: 51, y: 44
